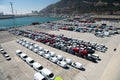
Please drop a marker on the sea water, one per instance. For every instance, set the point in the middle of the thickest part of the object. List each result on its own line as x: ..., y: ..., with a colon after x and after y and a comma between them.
x: 7, y: 23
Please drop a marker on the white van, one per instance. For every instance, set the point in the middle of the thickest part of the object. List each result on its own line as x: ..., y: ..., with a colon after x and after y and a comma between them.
x: 29, y: 61
x: 23, y: 56
x: 39, y: 76
x: 37, y: 66
x: 48, y: 74
x: 18, y: 52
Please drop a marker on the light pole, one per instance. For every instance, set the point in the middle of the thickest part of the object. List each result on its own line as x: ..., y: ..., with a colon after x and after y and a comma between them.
x: 11, y: 4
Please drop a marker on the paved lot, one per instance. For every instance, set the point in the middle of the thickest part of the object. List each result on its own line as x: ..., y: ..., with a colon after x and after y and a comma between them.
x: 17, y: 69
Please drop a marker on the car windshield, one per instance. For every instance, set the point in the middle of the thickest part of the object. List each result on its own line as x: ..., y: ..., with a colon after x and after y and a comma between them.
x: 40, y: 68
x: 25, y: 56
x: 5, y: 53
x: 51, y: 75
x: 44, y: 79
x: 32, y: 61
x: 19, y: 52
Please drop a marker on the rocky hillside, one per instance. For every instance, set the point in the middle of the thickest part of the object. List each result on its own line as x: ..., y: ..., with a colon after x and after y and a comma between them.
x: 82, y: 6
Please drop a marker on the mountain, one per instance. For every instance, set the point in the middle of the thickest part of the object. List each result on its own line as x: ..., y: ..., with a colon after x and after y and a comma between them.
x: 82, y: 6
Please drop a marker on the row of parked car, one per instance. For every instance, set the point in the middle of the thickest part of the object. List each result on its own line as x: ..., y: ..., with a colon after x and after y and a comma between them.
x: 42, y: 73
x: 77, y: 47
x: 102, y: 30
x: 5, y: 54
x: 98, y: 32
x: 51, y: 56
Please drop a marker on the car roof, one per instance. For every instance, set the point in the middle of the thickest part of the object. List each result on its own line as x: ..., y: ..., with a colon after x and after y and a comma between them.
x: 39, y: 76
x: 17, y: 51
x: 36, y: 64
x: 23, y: 54
x: 63, y: 62
x: 46, y: 71
x: 29, y: 59
x: 78, y: 64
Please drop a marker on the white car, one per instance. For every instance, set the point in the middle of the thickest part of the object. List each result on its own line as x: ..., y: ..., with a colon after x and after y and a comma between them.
x: 18, y: 52
x: 41, y: 53
x: 31, y: 43
x: 20, y: 42
x: 30, y: 47
x: 40, y: 48
x: 27, y: 42
x: 35, y: 50
x: 53, y: 59
x: 35, y: 46
x: 47, y: 56
x: 68, y: 61
x: 2, y: 50
x: 26, y: 45
x: 48, y: 74
x: 77, y: 65
x: 62, y: 64
x: 29, y: 61
x: 23, y: 56
x: 37, y: 66
x: 17, y: 41
x: 60, y: 58
x: 5, y: 54
x: 23, y: 43
x: 46, y: 51
x: 52, y: 54
x: 39, y: 76
x: 95, y: 56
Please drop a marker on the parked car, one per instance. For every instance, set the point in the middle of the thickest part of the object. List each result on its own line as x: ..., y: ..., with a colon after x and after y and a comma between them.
x: 95, y: 56
x: 41, y: 53
x: 23, y: 56
x: 17, y: 41
x: 26, y: 45
x: 68, y: 61
x: 77, y: 65
x: 60, y: 58
x: 40, y: 48
x: 53, y: 59
x: 5, y: 54
x: 62, y: 64
x: 52, y: 54
x: 18, y: 52
x: 39, y: 76
x: 35, y: 46
x: 30, y: 47
x: 23, y: 43
x: 91, y: 58
x: 2, y: 50
x: 29, y: 61
x: 46, y: 51
x: 48, y: 74
x: 37, y: 66
x: 35, y: 50
x: 47, y: 56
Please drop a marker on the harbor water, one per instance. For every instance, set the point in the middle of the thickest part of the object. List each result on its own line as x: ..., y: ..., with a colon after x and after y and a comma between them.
x: 17, y: 22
